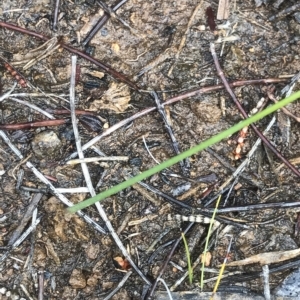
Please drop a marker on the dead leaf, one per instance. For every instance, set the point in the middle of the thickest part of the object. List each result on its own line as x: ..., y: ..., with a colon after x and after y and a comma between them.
x: 207, y: 259
x: 121, y: 263
x: 51, y: 252
x: 266, y: 258
x: 115, y: 98
x: 115, y: 47
x: 77, y: 279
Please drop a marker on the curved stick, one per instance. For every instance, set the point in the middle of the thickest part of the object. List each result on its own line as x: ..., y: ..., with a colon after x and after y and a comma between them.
x: 241, y: 109
x: 115, y: 74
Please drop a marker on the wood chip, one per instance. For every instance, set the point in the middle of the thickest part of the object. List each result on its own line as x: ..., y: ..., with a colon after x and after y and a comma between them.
x: 266, y: 258
x: 223, y: 10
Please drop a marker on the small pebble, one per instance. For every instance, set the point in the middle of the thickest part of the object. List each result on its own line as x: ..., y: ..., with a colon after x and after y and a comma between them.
x: 297, y: 17
x: 77, y: 279
x: 104, y: 31
x: 135, y: 162
x: 2, y: 171
x: 45, y: 144
x: 92, y: 251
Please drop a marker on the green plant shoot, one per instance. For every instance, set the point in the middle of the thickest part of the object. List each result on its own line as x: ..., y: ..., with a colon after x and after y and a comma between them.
x: 168, y: 163
x: 188, y: 257
x: 206, y: 242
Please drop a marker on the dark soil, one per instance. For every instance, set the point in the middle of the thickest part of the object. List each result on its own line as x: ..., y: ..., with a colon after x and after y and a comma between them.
x: 78, y: 262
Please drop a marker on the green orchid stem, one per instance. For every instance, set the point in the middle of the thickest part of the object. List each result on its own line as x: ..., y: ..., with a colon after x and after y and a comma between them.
x: 172, y: 161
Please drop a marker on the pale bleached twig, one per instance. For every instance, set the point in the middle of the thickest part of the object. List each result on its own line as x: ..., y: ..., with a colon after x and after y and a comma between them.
x: 40, y: 176
x: 33, y: 106
x: 167, y: 289
x: 223, y: 10
x: 146, y: 146
x: 95, y: 159
x: 82, y: 189
x: 20, y: 239
x: 87, y: 176
x: 120, y: 284
x: 28, y: 214
x: 6, y: 95
x: 111, y: 130
x: 26, y: 292
x: 266, y: 275
x: 61, y: 97
x: 14, y: 10
x: 51, y: 45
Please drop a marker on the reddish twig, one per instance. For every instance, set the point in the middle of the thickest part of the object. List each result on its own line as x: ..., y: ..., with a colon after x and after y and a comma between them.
x: 241, y: 109
x: 107, y: 69
x: 91, y: 122
x: 36, y: 124
x: 221, y: 86
x: 170, y: 101
x: 67, y: 112
x: 13, y: 71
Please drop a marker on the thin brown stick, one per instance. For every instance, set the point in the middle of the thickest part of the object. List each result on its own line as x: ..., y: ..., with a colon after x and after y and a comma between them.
x: 241, y: 109
x: 115, y: 74
x: 67, y: 112
x: 28, y: 125
x: 170, y: 101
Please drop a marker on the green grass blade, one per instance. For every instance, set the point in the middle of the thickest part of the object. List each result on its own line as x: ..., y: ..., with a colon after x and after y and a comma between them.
x: 168, y: 163
x: 206, y: 242
x: 190, y: 269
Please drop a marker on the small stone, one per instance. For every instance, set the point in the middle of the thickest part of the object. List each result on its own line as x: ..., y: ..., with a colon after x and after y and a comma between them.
x: 2, y: 171
x: 92, y: 281
x: 135, y: 162
x: 92, y: 251
x: 104, y: 31
x: 3, y: 290
x: 297, y: 17
x: 77, y: 279
x: 46, y: 144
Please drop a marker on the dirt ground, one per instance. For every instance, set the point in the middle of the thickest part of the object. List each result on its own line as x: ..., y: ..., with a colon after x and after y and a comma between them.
x: 78, y: 262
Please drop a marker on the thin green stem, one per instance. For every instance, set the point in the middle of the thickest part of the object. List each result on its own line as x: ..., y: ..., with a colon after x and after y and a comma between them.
x: 188, y: 257
x: 166, y: 164
x: 206, y: 242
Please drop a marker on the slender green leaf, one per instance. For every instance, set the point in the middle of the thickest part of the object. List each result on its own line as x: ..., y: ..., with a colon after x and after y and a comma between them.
x: 166, y: 164
x: 190, y: 269
x: 206, y: 242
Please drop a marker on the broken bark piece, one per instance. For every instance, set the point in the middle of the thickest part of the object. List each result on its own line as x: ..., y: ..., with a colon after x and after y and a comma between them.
x: 211, y: 19
x: 223, y: 10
